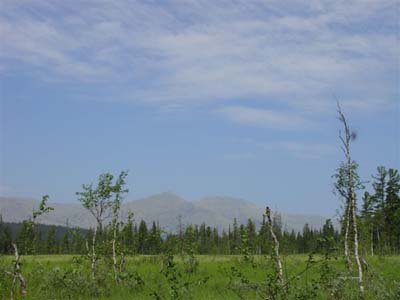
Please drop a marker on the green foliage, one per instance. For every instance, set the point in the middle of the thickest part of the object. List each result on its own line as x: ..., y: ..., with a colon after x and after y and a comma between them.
x: 380, y: 215
x: 43, y: 208
x: 178, y: 287
x: 105, y: 197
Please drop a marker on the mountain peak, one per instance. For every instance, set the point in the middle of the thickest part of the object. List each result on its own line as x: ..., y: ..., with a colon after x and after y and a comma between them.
x: 166, y: 208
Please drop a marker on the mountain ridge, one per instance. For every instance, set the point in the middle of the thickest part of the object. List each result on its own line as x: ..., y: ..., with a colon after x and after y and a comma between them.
x: 166, y: 208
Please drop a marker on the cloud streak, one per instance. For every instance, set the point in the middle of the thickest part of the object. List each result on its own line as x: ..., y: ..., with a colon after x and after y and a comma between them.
x: 302, y: 149
x: 264, y: 117
x: 179, y: 53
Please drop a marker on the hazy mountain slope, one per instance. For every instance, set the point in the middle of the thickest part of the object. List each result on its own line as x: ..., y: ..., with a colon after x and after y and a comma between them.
x: 164, y: 208
x: 242, y: 210
x: 230, y: 208
x: 17, y: 209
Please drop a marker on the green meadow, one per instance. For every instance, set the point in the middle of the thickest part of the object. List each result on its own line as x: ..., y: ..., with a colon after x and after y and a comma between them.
x: 213, y: 277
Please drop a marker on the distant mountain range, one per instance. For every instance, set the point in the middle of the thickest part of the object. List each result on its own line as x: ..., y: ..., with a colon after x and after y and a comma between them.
x: 164, y: 208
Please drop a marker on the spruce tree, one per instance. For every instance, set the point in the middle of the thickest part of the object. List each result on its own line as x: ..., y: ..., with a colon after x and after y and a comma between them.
x: 50, y: 244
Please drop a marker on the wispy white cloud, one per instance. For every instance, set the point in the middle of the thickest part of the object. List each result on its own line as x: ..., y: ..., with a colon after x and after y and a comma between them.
x: 296, y: 149
x: 180, y: 52
x: 264, y: 117
x: 253, y: 148
x: 302, y: 149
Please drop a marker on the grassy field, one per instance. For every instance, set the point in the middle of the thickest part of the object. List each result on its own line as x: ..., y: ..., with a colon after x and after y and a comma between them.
x: 216, y: 277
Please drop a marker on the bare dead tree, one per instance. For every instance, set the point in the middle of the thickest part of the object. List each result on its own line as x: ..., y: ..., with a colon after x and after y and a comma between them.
x: 275, y: 249
x: 17, y: 274
x: 347, y: 183
x: 91, y: 254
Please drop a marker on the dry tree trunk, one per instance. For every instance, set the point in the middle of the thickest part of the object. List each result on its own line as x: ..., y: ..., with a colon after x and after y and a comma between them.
x: 122, y: 263
x: 352, y: 213
x: 372, y: 241
x: 356, y: 255
x: 346, y: 237
x: 276, y: 256
x: 17, y: 275
x: 93, y: 254
x: 114, y: 255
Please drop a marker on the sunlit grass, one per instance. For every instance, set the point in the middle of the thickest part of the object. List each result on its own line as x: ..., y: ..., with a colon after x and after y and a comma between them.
x: 215, y: 268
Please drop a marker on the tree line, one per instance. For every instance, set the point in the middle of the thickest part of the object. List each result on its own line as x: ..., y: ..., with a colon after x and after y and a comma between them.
x: 143, y: 238
x: 378, y: 219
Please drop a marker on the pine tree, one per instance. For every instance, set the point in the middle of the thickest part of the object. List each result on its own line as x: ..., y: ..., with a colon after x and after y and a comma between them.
x: 50, y: 241
x: 264, y: 238
x: 216, y: 243
x: 25, y: 238
x: 392, y: 209
x: 5, y: 238
x: 65, y: 244
x: 128, y: 236
x: 328, y: 235
x: 235, y: 243
x: 77, y: 241
x: 142, y: 238
x: 251, y: 235
x: 203, y: 243
x: 378, y: 203
x: 225, y: 247
x: 367, y: 223
x: 154, y: 240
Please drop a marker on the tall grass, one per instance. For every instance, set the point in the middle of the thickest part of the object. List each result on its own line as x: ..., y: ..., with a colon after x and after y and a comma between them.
x: 149, y: 277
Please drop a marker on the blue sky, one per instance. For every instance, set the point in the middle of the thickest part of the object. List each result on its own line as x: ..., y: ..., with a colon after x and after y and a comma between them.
x: 199, y: 98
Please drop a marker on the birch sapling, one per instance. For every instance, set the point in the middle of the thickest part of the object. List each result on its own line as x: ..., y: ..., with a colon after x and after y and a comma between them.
x: 119, y: 191
x: 103, y: 201
x: 347, y: 183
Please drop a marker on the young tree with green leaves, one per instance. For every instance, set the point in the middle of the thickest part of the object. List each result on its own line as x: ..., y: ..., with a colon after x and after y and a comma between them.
x: 103, y: 201
x: 118, y: 190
